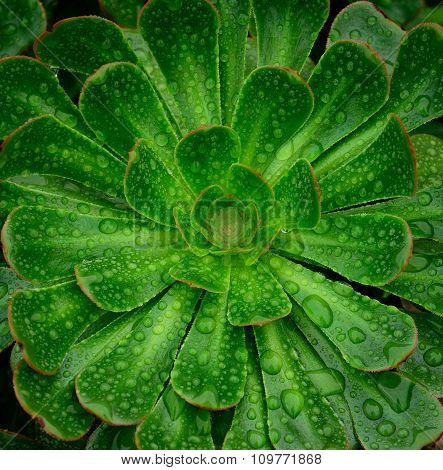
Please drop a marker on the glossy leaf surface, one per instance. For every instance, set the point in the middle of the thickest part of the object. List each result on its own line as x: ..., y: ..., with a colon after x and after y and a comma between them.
x: 210, y: 370
x: 297, y: 197
x: 362, y: 21
x: 350, y: 83
x: 192, y: 73
x: 425, y: 365
x: 249, y: 424
x: 52, y: 400
x: 422, y: 280
x: 46, y: 323
x: 355, y: 246
x: 205, y: 155
x: 387, y: 168
x: 123, y: 386
x: 388, y: 411
x: 298, y: 417
x: 209, y: 272
x: 124, y: 12
x: 21, y: 21
x: 234, y: 22
x: 175, y: 424
x: 273, y: 104
x: 286, y: 30
x: 53, y: 241
x: 9, y: 282
x: 152, y: 184
x: 371, y: 336
x: 83, y: 45
x: 255, y: 297
x: 107, y: 437
x: 120, y: 104
x: 32, y: 88
x: 125, y: 281
x: 61, y: 151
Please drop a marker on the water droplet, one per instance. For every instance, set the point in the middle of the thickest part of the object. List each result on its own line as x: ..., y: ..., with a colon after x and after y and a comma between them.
x: 293, y: 402
x: 256, y: 439
x: 271, y: 362
x: 433, y: 357
x: 372, y: 409
x: 356, y: 335
x: 318, y: 311
x: 108, y: 226
x: 386, y: 428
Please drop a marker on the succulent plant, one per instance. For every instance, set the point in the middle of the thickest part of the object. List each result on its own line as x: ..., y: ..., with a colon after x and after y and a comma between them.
x: 210, y: 228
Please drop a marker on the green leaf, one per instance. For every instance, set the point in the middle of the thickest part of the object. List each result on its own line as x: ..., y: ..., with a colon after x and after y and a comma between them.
x: 127, y: 280
x: 157, y: 79
x: 425, y: 365
x: 367, y: 248
x: 423, y: 213
x: 9, y: 282
x: 234, y: 22
x: 61, y: 151
x: 387, y: 168
x: 414, y: 96
x: 273, y: 104
x: 255, y: 297
x: 307, y: 69
x: 202, y: 205
x: 107, y: 437
x: 123, y: 386
x: 350, y: 83
x: 153, y: 186
x: 20, y: 22
x: 298, y: 197
x: 422, y: 280
x: 175, y: 425
x: 287, y: 29
x: 249, y: 425
x: 429, y: 150
x: 44, y: 244
x: 298, y: 416
x: 362, y: 21
x: 48, y: 321
x: 124, y: 12
x: 205, y: 155
x: 399, y: 10
x: 248, y: 186
x: 251, y: 56
x: 264, y: 237
x: 83, y: 45
x: 208, y: 272
x: 328, y: 382
x: 197, y: 244
x: 51, y: 399
x: 31, y: 88
x: 55, y: 193
x: 120, y: 104
x: 371, y: 336
x: 191, y: 70
x: 210, y: 370
x: 389, y: 411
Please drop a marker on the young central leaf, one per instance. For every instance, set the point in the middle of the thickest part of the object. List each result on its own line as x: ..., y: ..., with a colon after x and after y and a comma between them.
x: 231, y: 224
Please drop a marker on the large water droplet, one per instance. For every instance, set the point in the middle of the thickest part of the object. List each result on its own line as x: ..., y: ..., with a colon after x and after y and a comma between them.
x: 271, y: 362
x: 318, y: 311
x: 372, y: 409
x: 293, y: 402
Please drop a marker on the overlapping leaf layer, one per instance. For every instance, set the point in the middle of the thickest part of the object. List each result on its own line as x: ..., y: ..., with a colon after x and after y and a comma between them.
x: 218, y: 224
